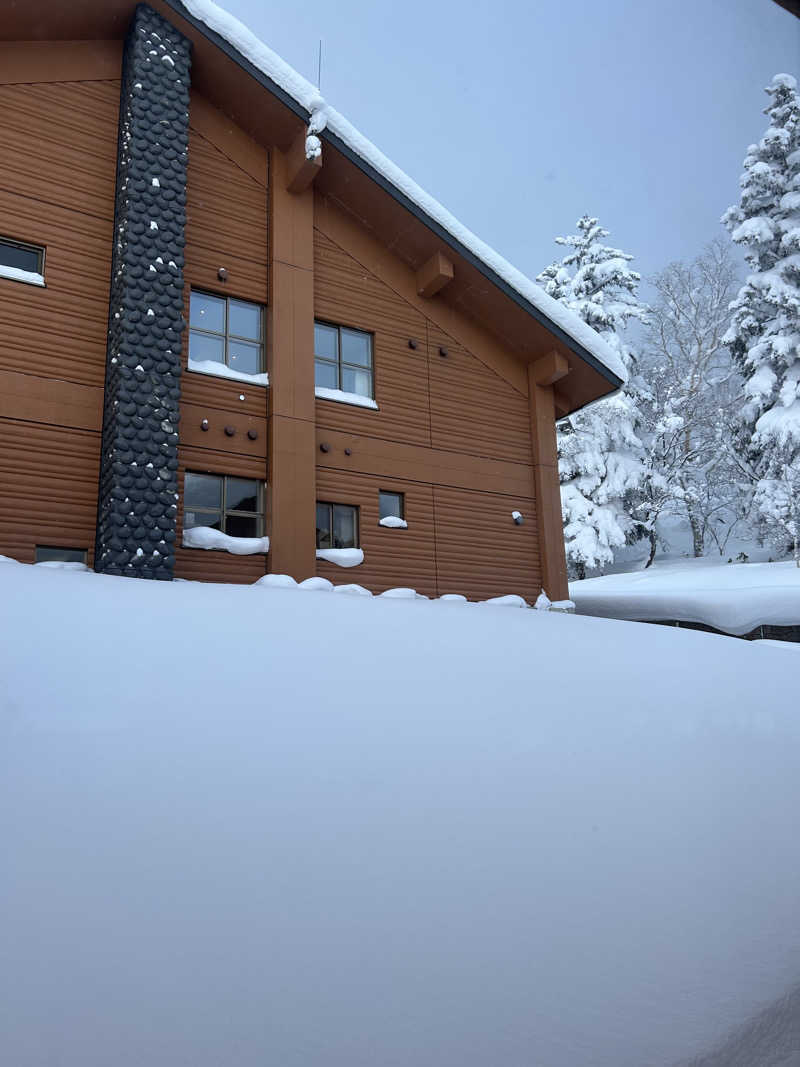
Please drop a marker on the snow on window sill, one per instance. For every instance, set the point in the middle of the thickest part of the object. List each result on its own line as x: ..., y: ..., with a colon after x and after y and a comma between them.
x: 342, y: 557
x: 221, y: 370
x: 393, y: 522
x: 322, y: 393
x: 205, y: 537
x: 14, y: 274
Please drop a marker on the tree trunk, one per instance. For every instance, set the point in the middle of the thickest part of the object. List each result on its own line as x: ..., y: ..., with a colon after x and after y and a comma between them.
x: 653, y: 547
x: 697, y: 533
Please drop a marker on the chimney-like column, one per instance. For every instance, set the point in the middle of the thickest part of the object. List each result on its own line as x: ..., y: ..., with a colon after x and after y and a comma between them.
x: 138, y: 491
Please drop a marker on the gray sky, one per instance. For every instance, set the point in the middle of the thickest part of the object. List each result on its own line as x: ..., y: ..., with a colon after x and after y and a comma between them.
x: 520, y: 116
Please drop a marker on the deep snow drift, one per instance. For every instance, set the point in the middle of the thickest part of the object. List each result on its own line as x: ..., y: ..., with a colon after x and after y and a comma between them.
x: 734, y: 597
x: 263, y: 825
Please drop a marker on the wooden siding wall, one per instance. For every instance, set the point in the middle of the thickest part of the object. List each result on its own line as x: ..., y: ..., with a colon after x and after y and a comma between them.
x: 226, y: 226
x: 452, y: 433
x: 57, y: 177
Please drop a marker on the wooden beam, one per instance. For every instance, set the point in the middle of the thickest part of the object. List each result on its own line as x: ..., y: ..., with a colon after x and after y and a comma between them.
x: 301, y: 170
x: 549, y: 369
x: 548, y: 492
x: 434, y: 275
x: 561, y: 404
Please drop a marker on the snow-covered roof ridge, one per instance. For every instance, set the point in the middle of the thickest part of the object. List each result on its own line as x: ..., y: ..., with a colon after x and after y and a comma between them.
x: 323, y: 117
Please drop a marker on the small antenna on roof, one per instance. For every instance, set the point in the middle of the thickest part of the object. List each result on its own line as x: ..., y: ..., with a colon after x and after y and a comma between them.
x: 319, y: 66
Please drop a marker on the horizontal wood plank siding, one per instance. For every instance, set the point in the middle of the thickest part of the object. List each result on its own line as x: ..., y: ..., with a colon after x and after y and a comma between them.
x: 58, y: 143
x: 480, y: 552
x: 392, y: 558
x: 473, y: 409
x: 57, y: 180
x: 48, y: 488
x: 348, y: 295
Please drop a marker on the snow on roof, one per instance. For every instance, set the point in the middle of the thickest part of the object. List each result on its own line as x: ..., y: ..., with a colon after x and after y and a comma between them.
x: 327, y: 829
x: 325, y: 117
x: 735, y: 598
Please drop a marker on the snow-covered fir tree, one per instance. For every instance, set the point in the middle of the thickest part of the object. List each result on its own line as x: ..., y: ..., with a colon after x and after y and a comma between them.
x: 765, y: 331
x: 600, y: 455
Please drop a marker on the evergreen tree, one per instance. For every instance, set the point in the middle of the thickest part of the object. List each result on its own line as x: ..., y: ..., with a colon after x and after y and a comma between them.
x: 600, y: 455
x: 765, y: 331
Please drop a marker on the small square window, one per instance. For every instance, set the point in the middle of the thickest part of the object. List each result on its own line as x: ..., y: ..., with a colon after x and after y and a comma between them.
x: 343, y: 359
x: 226, y: 331
x: 21, y: 262
x: 53, y: 554
x: 337, y: 525
x: 234, y: 506
x: 391, y: 505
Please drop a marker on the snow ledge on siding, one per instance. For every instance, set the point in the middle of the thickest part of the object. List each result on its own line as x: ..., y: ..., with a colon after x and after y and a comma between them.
x: 14, y: 274
x: 222, y: 370
x: 393, y: 522
x: 205, y: 537
x: 323, y: 116
x: 342, y: 557
x: 341, y: 397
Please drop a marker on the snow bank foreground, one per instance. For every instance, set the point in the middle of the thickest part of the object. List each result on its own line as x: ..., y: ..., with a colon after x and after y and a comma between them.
x: 258, y: 825
x: 734, y: 597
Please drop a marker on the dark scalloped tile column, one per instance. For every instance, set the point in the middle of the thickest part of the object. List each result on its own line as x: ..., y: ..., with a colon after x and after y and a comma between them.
x: 138, y: 494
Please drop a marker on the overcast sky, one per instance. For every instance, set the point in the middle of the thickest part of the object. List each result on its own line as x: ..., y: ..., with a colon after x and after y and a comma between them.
x: 521, y: 116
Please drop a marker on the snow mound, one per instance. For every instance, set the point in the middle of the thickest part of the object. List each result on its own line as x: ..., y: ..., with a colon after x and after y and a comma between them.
x: 393, y: 522
x: 342, y: 557
x: 735, y: 598
x: 277, y: 581
x: 327, y: 830
x: 352, y: 590
x: 208, y: 538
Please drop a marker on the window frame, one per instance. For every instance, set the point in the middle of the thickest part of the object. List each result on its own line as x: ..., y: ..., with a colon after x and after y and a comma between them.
x: 227, y: 336
x: 356, y: 523
x: 84, y: 553
x: 339, y: 363
x: 26, y: 246
x: 223, y: 511
x: 392, y: 492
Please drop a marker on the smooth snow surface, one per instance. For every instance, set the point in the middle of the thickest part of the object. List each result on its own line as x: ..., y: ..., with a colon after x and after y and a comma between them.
x: 325, y: 117
x: 342, y: 397
x: 734, y: 597
x: 222, y: 370
x: 14, y: 274
x: 326, y: 831
x: 205, y: 537
x: 342, y: 557
x: 393, y: 522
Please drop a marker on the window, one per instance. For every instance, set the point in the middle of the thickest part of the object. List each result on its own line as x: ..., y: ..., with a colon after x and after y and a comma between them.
x: 391, y: 505
x: 337, y: 526
x: 21, y: 262
x: 343, y: 359
x: 227, y: 332
x: 50, y: 554
x: 235, y: 506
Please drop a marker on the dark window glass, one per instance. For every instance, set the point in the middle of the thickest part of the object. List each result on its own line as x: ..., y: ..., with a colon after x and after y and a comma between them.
x: 324, y: 526
x: 337, y: 526
x: 202, y: 490
x: 227, y: 331
x: 241, y: 525
x: 21, y: 256
x: 241, y: 494
x: 233, y: 505
x: 48, y: 553
x: 391, y: 505
x: 343, y: 359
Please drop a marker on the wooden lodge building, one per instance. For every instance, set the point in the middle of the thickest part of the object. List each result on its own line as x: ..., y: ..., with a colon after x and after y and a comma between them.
x: 224, y: 317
